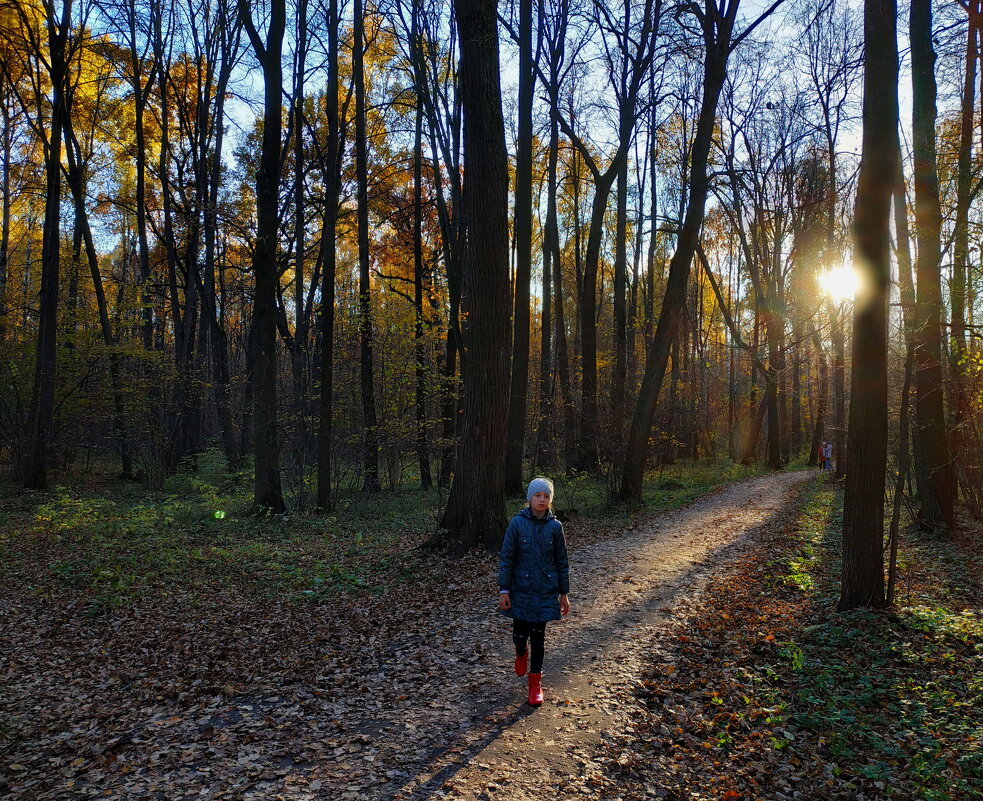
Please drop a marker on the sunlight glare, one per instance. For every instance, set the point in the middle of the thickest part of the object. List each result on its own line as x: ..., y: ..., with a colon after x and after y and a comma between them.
x: 840, y: 283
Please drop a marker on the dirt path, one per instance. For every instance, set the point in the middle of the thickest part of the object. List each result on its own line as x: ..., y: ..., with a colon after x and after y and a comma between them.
x: 623, y: 589
x: 419, y: 703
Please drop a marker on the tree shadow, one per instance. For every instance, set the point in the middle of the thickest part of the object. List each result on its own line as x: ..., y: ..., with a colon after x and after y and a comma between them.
x: 601, y: 635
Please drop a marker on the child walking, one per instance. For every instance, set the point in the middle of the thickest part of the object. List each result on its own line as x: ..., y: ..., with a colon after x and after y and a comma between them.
x: 533, y: 580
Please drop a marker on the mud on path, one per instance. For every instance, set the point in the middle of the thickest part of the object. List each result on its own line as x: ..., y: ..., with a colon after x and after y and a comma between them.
x: 397, y: 703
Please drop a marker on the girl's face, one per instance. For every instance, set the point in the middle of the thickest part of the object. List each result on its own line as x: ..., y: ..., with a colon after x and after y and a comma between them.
x: 539, y: 503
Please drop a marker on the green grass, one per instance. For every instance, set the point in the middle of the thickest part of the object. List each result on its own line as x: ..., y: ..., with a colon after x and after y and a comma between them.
x: 895, y: 698
x: 114, y: 542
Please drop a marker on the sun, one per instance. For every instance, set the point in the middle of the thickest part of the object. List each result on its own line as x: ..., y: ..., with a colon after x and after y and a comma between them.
x: 840, y: 283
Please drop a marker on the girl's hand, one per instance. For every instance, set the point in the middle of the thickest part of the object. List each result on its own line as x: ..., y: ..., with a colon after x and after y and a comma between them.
x: 564, y: 604
x: 503, y: 601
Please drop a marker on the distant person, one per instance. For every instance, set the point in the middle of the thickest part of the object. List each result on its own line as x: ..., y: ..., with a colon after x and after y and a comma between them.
x: 827, y: 456
x: 533, y: 580
x: 822, y: 455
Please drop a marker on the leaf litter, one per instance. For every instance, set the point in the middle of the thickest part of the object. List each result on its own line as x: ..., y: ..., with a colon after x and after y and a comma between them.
x: 403, y: 693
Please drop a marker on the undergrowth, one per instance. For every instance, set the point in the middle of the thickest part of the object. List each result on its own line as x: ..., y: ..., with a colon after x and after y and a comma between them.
x: 895, y: 699
x: 114, y: 542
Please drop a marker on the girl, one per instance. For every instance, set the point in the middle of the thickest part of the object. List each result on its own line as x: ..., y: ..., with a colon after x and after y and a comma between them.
x: 533, y: 580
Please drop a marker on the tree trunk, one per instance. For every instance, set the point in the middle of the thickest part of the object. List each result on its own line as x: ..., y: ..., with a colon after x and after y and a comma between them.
x: 776, y: 363
x: 821, y: 400
x: 267, y: 493
x: 370, y: 424
x: 298, y: 343
x: 422, y: 451
x: 77, y: 186
x: 222, y: 380
x: 141, y: 94
x: 839, y: 389
x: 551, y: 262
x: 6, y: 146
x: 960, y: 262
x: 519, y: 384
x: 862, y: 579
x: 332, y: 181
x: 936, y: 506
x: 717, y: 35
x: 475, y: 513
x: 42, y: 409
x: 620, y: 378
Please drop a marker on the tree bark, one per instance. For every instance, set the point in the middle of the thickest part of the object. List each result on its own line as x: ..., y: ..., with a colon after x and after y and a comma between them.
x: 422, y: 450
x: 960, y: 262
x: 42, y: 409
x: 332, y: 179
x: 620, y: 378
x: 862, y: 578
x: 936, y: 506
x: 370, y: 424
x: 6, y: 146
x: 76, y: 182
x: 519, y: 383
x: 267, y: 493
x: 475, y: 513
x: 551, y: 263
x: 717, y: 32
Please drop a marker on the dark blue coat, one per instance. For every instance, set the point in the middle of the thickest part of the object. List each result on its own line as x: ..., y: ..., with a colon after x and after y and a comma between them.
x: 533, y: 567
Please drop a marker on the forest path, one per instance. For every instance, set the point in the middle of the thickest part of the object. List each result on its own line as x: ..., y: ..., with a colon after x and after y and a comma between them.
x: 402, y: 695
x: 622, y: 591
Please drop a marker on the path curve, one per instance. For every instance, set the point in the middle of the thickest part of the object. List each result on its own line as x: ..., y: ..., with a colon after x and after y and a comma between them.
x: 418, y: 703
x: 622, y: 590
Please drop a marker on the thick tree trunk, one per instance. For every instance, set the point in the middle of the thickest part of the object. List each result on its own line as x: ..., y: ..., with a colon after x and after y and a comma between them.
x: 475, y: 513
x: 750, y: 454
x: 519, y: 383
x: 42, y: 409
x: 267, y: 493
x: 862, y: 579
x: 960, y: 262
x: 936, y: 506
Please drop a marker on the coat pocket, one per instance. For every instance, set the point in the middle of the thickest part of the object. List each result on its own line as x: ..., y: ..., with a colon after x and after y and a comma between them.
x: 522, y: 581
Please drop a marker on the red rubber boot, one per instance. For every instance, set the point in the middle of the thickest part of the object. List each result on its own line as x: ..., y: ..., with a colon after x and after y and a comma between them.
x: 535, y: 689
x: 520, y: 663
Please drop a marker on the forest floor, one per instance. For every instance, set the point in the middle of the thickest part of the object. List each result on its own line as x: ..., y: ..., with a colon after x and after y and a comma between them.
x: 701, y: 660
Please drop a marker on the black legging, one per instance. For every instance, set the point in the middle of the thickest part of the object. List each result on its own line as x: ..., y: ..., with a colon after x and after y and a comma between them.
x: 535, y: 633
